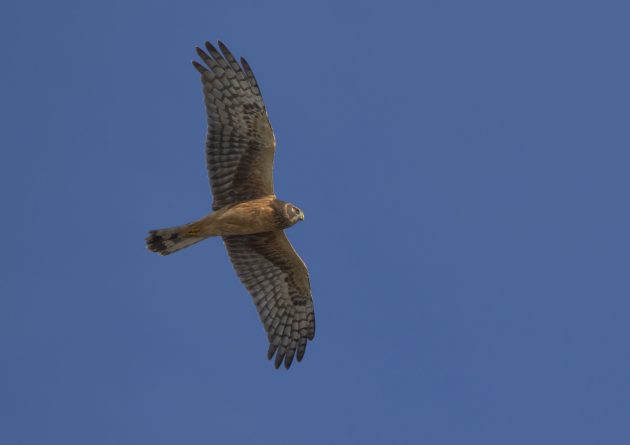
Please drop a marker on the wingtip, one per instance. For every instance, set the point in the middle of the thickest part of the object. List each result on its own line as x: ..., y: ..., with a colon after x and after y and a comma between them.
x: 200, y: 52
x: 301, y: 351
x: 271, y: 351
x: 210, y: 47
x: 199, y: 67
x: 288, y: 359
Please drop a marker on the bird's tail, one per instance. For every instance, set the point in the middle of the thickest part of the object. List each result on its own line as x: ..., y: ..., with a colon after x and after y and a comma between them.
x: 172, y: 239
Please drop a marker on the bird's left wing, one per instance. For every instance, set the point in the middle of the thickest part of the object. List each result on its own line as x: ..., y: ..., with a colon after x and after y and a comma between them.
x: 277, y: 279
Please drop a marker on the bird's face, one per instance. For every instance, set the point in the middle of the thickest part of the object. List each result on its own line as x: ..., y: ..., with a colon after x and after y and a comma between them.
x: 293, y: 214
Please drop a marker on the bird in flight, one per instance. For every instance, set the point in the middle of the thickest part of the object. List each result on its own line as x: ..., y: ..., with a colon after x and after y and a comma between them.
x: 240, y: 148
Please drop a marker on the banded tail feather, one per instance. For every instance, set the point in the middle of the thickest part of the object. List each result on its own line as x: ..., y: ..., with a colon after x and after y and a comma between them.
x: 172, y: 239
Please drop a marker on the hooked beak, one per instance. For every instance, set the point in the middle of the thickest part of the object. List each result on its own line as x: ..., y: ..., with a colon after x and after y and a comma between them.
x: 302, y: 216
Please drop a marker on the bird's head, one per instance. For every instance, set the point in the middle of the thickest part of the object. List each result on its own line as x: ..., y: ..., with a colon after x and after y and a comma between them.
x: 293, y: 214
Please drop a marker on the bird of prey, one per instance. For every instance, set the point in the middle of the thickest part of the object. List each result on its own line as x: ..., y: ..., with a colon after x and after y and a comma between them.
x: 240, y: 148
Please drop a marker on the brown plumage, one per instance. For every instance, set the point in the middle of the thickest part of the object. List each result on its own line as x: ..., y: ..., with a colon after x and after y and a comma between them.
x: 240, y: 149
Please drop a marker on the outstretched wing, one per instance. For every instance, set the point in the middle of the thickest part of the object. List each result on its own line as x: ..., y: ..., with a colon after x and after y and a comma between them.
x: 240, y: 143
x: 277, y: 279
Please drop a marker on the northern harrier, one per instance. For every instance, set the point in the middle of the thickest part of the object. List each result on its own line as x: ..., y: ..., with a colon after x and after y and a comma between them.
x: 239, y: 155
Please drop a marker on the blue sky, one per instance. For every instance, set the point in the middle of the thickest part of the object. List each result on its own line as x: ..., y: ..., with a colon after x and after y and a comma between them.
x: 463, y: 167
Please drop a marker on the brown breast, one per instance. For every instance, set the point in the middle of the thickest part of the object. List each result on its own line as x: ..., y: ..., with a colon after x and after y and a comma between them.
x: 249, y: 217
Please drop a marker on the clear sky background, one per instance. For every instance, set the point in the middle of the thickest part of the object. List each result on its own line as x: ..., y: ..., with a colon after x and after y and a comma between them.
x: 464, y: 171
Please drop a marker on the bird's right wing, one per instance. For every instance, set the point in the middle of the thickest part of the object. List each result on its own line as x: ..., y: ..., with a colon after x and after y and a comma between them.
x: 240, y: 144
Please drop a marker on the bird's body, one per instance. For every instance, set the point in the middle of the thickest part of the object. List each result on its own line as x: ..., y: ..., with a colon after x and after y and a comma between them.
x: 251, y: 217
x: 240, y: 149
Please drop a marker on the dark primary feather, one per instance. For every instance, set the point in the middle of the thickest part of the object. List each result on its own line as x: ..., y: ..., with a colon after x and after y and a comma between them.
x: 240, y: 143
x: 277, y: 279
